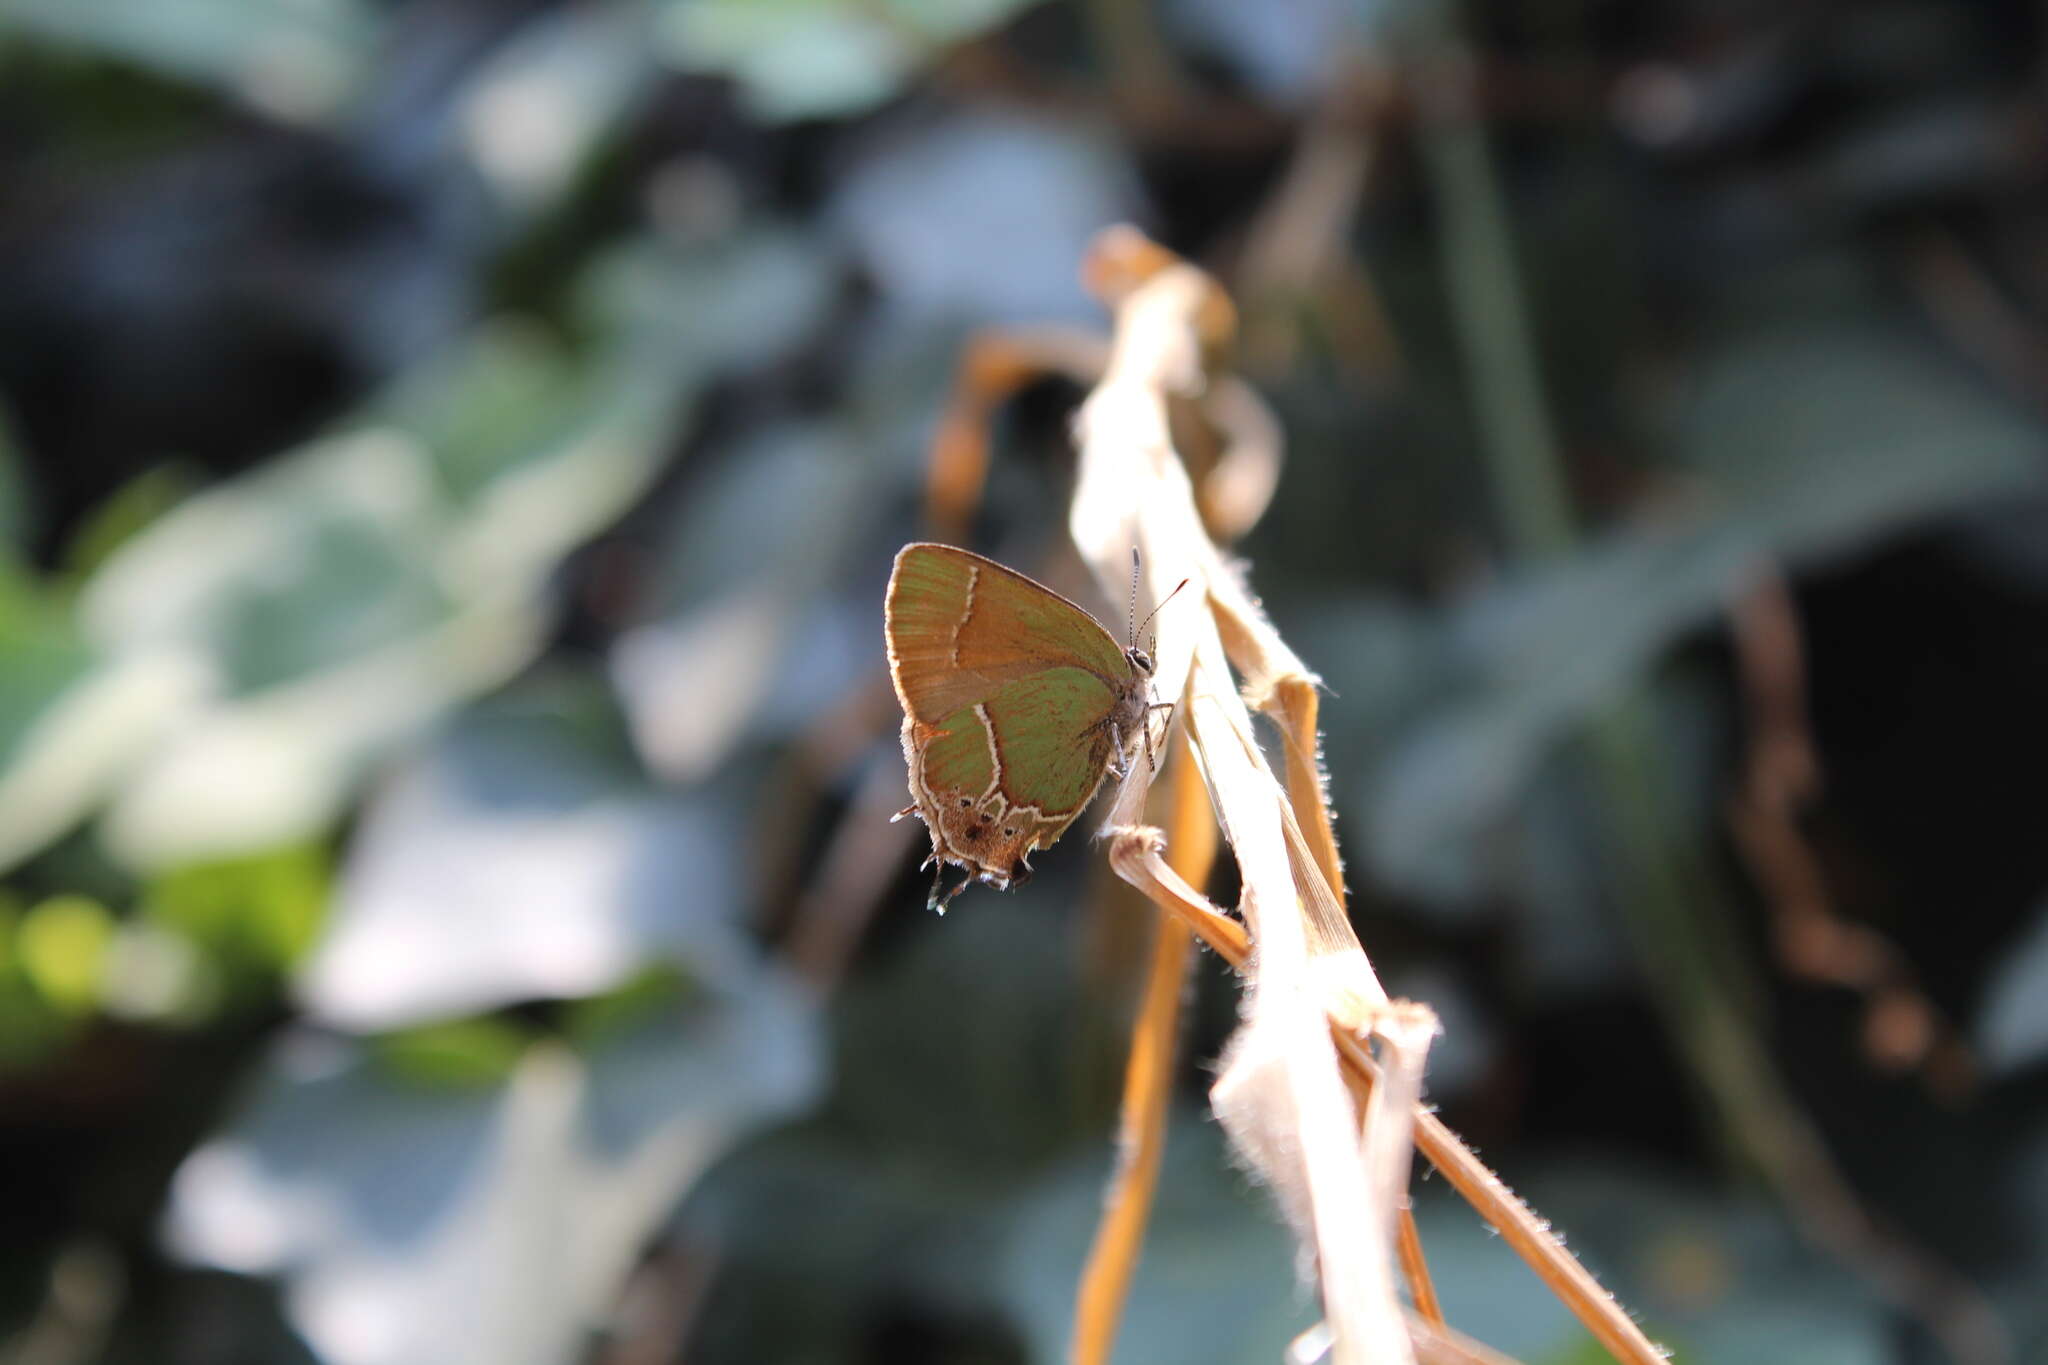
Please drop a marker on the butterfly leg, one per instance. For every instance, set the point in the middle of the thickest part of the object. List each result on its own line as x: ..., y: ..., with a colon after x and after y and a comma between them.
x: 931, y: 902
x: 1117, y: 765
x: 1167, y: 707
x: 938, y: 902
x: 910, y: 809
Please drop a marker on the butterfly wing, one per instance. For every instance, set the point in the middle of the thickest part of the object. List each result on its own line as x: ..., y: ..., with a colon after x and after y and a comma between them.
x: 1014, y: 701
x: 961, y: 627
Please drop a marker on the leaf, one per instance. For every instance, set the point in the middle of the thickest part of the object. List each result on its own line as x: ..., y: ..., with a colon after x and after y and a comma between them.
x: 742, y: 573
x: 291, y: 57
x: 1877, y: 435
x: 513, y: 860
x: 1714, y: 1274
x: 818, y: 58
x: 483, y: 1226
x: 981, y: 218
x: 1217, y: 1282
x: 15, y: 505
x: 2012, y: 1023
x: 540, y: 106
x: 31, y: 1027
x: 955, y: 1092
x: 72, y: 723
x: 672, y: 312
x: 254, y: 916
x: 948, y: 1122
x: 1288, y: 63
x: 483, y: 1052
x: 323, y: 610
x: 61, y: 946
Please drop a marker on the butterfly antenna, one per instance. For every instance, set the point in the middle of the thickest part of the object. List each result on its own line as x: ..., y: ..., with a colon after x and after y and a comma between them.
x: 1155, y: 611
x: 1133, y: 638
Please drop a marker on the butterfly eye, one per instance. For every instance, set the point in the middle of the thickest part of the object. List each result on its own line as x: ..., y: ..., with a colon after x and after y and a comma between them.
x: 1140, y: 659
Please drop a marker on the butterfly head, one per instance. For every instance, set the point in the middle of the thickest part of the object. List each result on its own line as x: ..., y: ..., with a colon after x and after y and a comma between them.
x: 1140, y: 660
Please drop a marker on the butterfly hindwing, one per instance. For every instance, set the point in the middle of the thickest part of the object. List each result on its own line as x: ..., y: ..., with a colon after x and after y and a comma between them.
x: 1053, y: 735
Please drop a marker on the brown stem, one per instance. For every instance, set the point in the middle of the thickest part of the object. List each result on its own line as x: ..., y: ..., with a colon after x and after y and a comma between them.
x: 1148, y: 1087
x: 1903, y: 1029
x: 1415, y: 1269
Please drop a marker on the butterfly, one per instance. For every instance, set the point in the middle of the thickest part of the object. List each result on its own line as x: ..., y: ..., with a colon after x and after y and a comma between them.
x: 1016, y: 705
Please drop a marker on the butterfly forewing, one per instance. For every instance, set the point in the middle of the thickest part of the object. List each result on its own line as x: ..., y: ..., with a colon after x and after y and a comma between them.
x: 960, y: 626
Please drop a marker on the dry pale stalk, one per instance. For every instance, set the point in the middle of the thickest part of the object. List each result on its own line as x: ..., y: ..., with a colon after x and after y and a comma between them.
x: 1281, y: 1095
x: 1286, y: 1093
x: 1136, y: 855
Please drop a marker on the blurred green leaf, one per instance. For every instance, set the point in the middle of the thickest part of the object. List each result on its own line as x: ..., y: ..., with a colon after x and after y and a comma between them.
x: 61, y: 946
x: 308, y: 594
x: 123, y: 513
x: 297, y: 58
x: 1877, y: 435
x: 1716, y: 1275
x: 482, y: 407
x: 70, y: 730
x: 31, y: 1027
x: 344, y: 597
x: 485, y: 1225
x: 596, y: 1018
x: 1217, y: 1282
x: 462, y: 1054
x: 663, y: 312
x: 41, y: 658
x: 523, y: 856
x: 541, y: 105
x: 743, y: 566
x: 829, y: 1224
x: 71, y: 721
x: 972, y: 1073
x: 256, y: 915
x: 14, y: 495
x: 298, y: 565
x: 960, y: 1070
x: 819, y: 58
x: 1879, y: 432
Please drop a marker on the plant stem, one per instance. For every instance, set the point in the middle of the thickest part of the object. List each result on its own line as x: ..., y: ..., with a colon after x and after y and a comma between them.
x: 1531, y: 499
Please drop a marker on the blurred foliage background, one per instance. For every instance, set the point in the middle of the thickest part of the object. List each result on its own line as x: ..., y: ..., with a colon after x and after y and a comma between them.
x: 451, y: 456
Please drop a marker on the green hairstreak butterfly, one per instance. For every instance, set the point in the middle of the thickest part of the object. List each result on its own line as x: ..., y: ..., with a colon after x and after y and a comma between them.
x: 1016, y: 704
